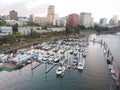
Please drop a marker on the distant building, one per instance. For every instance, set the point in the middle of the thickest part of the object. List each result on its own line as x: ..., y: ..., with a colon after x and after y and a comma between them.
x: 73, y: 20
x: 62, y: 21
x: 6, y: 30
x: 56, y: 20
x: 27, y: 30
x: 41, y: 20
x: 50, y: 14
x: 11, y: 22
x: 113, y: 22
x: 103, y: 22
x: 86, y: 19
x: 5, y: 17
x: 56, y: 29
x: 31, y: 17
x: 13, y: 15
x: 119, y: 23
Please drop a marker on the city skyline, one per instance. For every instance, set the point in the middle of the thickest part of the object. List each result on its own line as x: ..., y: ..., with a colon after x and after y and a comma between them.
x: 99, y: 9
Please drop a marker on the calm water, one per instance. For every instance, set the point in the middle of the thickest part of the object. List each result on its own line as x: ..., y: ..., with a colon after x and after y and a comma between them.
x: 95, y: 75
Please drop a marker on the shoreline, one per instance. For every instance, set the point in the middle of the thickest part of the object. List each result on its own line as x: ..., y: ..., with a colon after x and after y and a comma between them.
x: 15, y: 46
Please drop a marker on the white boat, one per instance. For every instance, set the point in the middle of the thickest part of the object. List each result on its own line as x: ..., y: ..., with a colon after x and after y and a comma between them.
x: 1, y: 65
x: 112, y: 71
x: 3, y: 57
x: 21, y: 58
x: 110, y: 66
x: 60, y: 70
x: 104, y: 51
x: 81, y: 64
x: 75, y: 61
x: 84, y: 54
x: 56, y: 60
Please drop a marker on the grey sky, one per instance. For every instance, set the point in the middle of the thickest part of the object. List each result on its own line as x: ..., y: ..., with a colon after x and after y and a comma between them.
x: 99, y: 8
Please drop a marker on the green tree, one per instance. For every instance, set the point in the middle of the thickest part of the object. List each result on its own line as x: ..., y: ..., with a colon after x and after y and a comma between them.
x: 32, y: 24
x: 44, y: 27
x: 15, y: 28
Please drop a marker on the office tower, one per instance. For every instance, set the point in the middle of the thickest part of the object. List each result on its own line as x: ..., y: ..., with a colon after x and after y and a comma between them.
x: 31, y: 18
x: 73, y: 20
x: 51, y: 12
x: 86, y: 19
x: 103, y: 22
x: 13, y: 15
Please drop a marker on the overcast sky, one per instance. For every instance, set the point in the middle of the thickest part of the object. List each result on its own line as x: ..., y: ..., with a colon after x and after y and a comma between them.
x: 98, y: 8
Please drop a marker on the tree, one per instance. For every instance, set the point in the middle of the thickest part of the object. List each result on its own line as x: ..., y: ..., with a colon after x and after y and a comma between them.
x: 32, y: 24
x: 81, y: 27
x: 15, y: 28
x: 77, y: 30
x: 4, y: 23
x: 44, y: 27
x: 67, y: 30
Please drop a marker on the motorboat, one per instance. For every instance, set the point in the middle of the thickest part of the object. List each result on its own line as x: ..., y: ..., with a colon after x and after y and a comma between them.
x: 75, y: 60
x: 75, y: 51
x: 110, y: 66
x: 55, y: 49
x: 81, y: 64
x: 112, y: 71
x: 104, y: 51
x: 60, y: 70
x: 1, y: 64
x: 45, y: 57
x: 56, y: 60
x: 84, y: 54
x: 71, y: 51
x: 62, y: 51
x: 51, y: 58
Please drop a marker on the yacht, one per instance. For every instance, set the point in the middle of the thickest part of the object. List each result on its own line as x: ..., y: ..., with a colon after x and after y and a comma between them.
x: 1, y: 64
x: 81, y: 64
x: 60, y: 70
x: 84, y: 54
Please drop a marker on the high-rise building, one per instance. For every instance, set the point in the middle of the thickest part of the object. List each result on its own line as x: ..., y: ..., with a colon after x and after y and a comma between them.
x: 73, y: 20
x: 113, y: 21
x: 5, y: 17
x: 31, y: 18
x: 56, y: 20
x: 41, y: 20
x: 62, y: 21
x: 103, y: 22
x: 50, y: 14
x: 13, y: 15
x: 119, y: 23
x: 86, y: 19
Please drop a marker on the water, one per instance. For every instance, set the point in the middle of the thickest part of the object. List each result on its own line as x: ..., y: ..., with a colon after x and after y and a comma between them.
x: 95, y: 75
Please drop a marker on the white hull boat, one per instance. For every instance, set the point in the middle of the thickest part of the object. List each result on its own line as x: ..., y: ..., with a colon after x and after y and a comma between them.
x: 81, y: 64
x: 60, y: 70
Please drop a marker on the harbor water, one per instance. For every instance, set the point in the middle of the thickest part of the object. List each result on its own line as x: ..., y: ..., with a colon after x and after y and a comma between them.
x: 95, y: 76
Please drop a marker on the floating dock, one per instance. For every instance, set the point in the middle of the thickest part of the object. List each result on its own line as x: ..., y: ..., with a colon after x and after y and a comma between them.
x: 47, y: 70
x: 36, y: 66
x: 64, y: 72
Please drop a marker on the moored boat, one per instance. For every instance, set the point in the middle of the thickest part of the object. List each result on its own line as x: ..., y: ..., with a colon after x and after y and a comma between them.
x: 60, y: 70
x: 81, y: 64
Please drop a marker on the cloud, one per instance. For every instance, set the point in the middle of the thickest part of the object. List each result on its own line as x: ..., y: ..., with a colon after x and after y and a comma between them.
x: 23, y: 9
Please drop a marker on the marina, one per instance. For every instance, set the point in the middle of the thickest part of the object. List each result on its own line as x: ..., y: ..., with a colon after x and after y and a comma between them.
x: 65, y: 58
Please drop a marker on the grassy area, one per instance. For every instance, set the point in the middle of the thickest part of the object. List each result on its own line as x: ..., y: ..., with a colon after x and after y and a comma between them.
x: 48, y: 37
x: 6, y: 69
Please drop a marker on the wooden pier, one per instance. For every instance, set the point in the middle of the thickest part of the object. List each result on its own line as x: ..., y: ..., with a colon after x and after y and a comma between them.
x: 112, y: 61
x: 47, y: 70
x: 35, y: 66
x: 64, y: 72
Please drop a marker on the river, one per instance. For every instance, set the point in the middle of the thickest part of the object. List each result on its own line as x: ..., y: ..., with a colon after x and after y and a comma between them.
x: 95, y: 75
